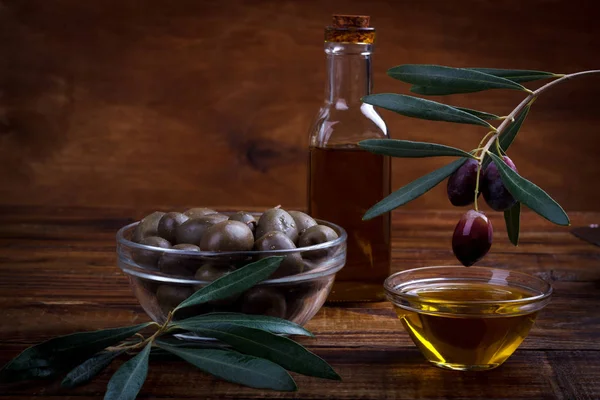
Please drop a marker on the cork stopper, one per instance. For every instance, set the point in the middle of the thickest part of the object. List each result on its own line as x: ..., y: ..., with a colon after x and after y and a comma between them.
x: 350, y: 29
x: 350, y: 21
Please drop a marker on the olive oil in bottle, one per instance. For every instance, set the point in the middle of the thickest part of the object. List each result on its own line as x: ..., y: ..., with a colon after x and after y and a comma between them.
x: 345, y: 181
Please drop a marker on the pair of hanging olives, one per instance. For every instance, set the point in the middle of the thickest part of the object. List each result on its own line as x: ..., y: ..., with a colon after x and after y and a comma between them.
x: 472, y: 237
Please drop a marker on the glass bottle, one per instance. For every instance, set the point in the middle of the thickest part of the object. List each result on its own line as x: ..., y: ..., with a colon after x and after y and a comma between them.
x: 345, y: 181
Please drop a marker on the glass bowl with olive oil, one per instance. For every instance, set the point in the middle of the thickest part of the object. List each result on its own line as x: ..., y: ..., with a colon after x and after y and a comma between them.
x: 467, y: 319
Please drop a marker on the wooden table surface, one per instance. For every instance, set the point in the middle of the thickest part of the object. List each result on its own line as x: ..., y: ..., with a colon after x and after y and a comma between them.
x: 58, y: 275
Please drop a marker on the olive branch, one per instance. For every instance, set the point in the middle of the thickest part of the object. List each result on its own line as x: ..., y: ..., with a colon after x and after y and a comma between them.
x: 430, y: 80
x: 257, y: 354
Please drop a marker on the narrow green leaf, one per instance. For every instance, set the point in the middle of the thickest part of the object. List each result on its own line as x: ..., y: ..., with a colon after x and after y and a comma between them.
x: 416, y: 107
x: 408, y: 149
x: 481, y: 114
x: 237, y: 368
x: 512, y: 218
x: 187, y: 344
x: 508, y: 135
x: 279, y: 349
x: 529, y: 194
x: 235, y: 282
x: 62, y: 353
x: 438, y: 91
x: 514, y: 75
x: 413, y: 190
x: 263, y: 322
x: 517, y: 75
x: 126, y: 383
x: 460, y: 79
x: 89, y: 368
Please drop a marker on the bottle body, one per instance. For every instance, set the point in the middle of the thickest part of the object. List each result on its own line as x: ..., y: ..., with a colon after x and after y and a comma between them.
x: 344, y: 180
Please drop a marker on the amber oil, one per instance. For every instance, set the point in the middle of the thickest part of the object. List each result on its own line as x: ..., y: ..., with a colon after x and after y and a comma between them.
x: 451, y: 337
x: 344, y: 183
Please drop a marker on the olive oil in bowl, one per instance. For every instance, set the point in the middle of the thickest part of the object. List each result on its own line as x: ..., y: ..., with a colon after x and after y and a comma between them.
x: 473, y: 320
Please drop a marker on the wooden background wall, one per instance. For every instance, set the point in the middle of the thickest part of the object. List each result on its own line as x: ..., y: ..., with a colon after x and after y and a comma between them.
x: 148, y: 103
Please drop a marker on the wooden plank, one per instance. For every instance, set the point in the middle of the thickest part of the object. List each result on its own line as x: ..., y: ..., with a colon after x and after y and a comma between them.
x: 58, y: 275
x: 378, y: 374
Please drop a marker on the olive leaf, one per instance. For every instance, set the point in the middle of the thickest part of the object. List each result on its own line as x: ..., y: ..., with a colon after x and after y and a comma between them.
x: 263, y: 322
x: 237, y: 368
x: 529, y: 194
x: 413, y: 190
x: 422, y: 108
x: 481, y: 114
x: 64, y: 352
x: 90, y: 368
x: 278, y: 349
x: 461, y: 79
x: 438, y: 91
x: 234, y: 283
x: 126, y: 383
x: 517, y: 75
x: 408, y: 149
x: 512, y: 218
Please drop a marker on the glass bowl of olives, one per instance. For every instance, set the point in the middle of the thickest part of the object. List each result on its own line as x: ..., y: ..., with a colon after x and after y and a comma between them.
x: 169, y: 256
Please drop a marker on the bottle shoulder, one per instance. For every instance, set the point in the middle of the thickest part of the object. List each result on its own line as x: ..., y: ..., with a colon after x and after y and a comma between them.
x: 339, y: 123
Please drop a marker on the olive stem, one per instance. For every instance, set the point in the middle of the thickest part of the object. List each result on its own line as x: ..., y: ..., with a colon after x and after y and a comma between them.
x: 162, y: 329
x: 498, y: 148
x: 477, y: 185
x: 527, y: 101
x: 480, y: 145
x: 564, y: 78
x: 511, y: 118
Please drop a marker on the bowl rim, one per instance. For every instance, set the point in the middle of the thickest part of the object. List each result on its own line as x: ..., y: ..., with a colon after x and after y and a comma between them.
x: 332, y: 243
x: 153, y: 275
x: 394, y: 292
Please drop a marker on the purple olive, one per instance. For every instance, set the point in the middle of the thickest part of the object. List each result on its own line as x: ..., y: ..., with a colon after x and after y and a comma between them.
x: 462, y: 183
x: 472, y: 237
x: 496, y: 195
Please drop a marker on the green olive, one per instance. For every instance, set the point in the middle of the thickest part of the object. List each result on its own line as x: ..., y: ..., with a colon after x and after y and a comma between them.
x: 228, y: 236
x: 192, y: 230
x: 316, y: 235
x: 148, y: 226
x: 246, y: 218
x: 168, y: 223
x: 277, y: 219
x: 198, y: 212
x: 303, y: 221
x: 170, y: 296
x: 292, y: 264
x: 264, y: 301
x: 149, y: 258
x: 179, y: 264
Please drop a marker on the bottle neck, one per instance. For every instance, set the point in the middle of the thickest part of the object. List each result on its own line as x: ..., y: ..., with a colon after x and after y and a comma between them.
x: 348, y: 73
